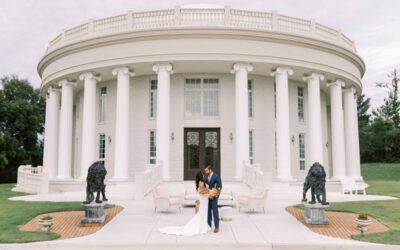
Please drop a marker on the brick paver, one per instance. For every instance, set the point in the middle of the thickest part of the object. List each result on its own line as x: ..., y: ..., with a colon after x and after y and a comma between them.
x: 341, y: 224
x: 67, y: 224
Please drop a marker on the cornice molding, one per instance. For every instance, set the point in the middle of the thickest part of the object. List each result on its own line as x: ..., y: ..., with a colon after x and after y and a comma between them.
x: 215, y: 32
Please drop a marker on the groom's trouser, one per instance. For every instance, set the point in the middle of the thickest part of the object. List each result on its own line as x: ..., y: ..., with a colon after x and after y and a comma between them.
x: 213, y: 209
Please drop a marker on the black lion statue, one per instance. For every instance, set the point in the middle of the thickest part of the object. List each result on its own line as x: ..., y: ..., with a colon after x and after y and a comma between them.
x: 316, y: 181
x: 95, y: 182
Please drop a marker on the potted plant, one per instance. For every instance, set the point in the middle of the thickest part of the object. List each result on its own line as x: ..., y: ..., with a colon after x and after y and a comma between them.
x: 46, y: 223
x: 363, y: 222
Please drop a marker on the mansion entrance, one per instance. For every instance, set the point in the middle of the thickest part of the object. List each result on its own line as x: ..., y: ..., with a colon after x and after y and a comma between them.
x: 201, y: 148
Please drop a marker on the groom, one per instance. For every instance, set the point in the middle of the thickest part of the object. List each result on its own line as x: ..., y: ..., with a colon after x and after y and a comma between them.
x: 213, y: 181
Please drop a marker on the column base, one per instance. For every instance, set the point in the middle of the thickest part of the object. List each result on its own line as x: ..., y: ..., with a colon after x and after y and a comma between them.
x: 63, y: 178
x: 338, y: 178
x: 238, y: 178
x: 285, y: 178
x: 168, y: 178
x: 119, y: 179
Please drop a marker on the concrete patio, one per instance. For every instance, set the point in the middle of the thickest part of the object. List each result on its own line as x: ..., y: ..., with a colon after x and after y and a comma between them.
x: 136, y: 227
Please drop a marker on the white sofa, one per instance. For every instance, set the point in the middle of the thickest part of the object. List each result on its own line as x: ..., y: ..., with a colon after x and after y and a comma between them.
x: 226, y: 198
x: 350, y: 186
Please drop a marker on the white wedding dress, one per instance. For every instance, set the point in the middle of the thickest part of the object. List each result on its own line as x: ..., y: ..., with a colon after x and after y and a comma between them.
x: 197, y: 224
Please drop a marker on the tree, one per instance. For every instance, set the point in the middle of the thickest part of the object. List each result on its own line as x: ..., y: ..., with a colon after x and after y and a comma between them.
x: 390, y: 110
x: 363, y: 106
x: 21, y: 124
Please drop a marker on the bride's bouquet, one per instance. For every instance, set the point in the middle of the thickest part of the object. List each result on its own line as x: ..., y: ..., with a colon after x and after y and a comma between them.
x: 214, y: 192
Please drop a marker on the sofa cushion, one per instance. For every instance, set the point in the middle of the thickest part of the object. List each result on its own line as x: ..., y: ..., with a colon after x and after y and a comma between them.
x: 225, y: 197
x: 192, y: 197
x: 174, y: 201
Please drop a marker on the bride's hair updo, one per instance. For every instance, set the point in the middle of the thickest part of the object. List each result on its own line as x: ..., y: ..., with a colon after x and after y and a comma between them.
x: 199, y: 177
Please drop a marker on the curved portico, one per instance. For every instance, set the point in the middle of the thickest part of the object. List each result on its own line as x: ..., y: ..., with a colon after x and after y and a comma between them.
x: 274, y: 96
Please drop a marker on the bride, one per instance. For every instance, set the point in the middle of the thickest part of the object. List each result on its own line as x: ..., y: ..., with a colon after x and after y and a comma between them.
x: 198, y: 223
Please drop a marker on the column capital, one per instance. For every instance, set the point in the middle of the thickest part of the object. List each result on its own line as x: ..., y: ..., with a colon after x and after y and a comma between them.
x: 282, y: 70
x: 89, y: 75
x: 314, y: 76
x: 241, y: 66
x: 65, y: 82
x: 163, y: 67
x: 338, y: 82
x: 350, y: 90
x: 53, y: 89
x: 123, y: 70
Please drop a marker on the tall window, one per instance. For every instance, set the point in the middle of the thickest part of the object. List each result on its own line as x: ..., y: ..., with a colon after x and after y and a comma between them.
x: 152, y: 147
x: 302, y: 153
x: 251, y: 155
x: 300, y: 103
x: 103, y: 97
x: 276, y: 154
x: 102, y: 146
x: 153, y: 98
x: 250, y: 90
x: 201, y: 97
x: 275, y: 99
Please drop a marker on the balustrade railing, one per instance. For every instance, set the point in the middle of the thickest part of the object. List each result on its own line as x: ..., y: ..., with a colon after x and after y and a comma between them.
x: 255, y: 177
x: 209, y: 17
x: 147, y: 180
x: 32, y: 180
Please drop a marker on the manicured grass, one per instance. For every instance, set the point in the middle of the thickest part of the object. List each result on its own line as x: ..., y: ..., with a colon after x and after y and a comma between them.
x: 381, y: 171
x: 384, y: 179
x: 16, y: 213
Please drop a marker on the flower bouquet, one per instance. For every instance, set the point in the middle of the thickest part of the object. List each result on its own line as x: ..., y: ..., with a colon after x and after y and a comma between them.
x: 214, y: 192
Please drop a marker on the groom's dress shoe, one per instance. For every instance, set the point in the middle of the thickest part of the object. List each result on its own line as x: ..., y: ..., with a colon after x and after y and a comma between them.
x: 216, y: 230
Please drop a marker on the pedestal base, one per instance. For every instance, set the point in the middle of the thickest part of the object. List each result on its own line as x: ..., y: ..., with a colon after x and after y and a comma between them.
x: 315, y: 214
x: 94, y: 213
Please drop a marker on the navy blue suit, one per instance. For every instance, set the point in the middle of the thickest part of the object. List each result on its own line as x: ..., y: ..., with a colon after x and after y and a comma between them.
x: 215, y: 182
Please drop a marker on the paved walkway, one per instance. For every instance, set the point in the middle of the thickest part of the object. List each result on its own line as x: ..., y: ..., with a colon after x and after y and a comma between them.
x: 136, y: 227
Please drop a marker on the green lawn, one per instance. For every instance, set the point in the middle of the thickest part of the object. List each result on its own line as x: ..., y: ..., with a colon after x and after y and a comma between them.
x: 384, y: 179
x: 15, y: 213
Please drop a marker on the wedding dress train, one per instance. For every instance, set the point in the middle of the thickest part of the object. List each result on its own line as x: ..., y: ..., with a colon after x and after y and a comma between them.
x: 196, y: 225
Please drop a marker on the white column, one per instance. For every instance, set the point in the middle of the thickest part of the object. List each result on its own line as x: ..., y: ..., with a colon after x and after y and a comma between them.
x: 121, y: 156
x: 65, y: 130
x: 357, y: 172
x: 241, y: 116
x: 351, y: 134
x: 338, y: 146
x: 163, y: 117
x: 46, y: 131
x: 88, y: 155
x: 314, y: 118
x: 50, y: 156
x: 282, y: 123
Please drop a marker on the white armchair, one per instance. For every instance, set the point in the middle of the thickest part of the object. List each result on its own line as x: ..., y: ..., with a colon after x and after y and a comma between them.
x: 255, y: 200
x: 349, y: 185
x: 163, y: 200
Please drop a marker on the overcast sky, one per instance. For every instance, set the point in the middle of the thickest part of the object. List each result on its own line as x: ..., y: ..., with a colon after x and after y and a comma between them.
x: 26, y: 27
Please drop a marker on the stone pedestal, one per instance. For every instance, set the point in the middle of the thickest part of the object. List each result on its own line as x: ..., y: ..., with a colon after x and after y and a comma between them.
x: 94, y: 213
x: 315, y: 214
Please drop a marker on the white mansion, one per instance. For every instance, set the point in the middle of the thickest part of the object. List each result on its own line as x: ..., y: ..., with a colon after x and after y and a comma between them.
x: 187, y: 87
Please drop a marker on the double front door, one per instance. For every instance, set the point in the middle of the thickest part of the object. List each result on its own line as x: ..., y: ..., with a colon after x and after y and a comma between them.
x: 202, y: 148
